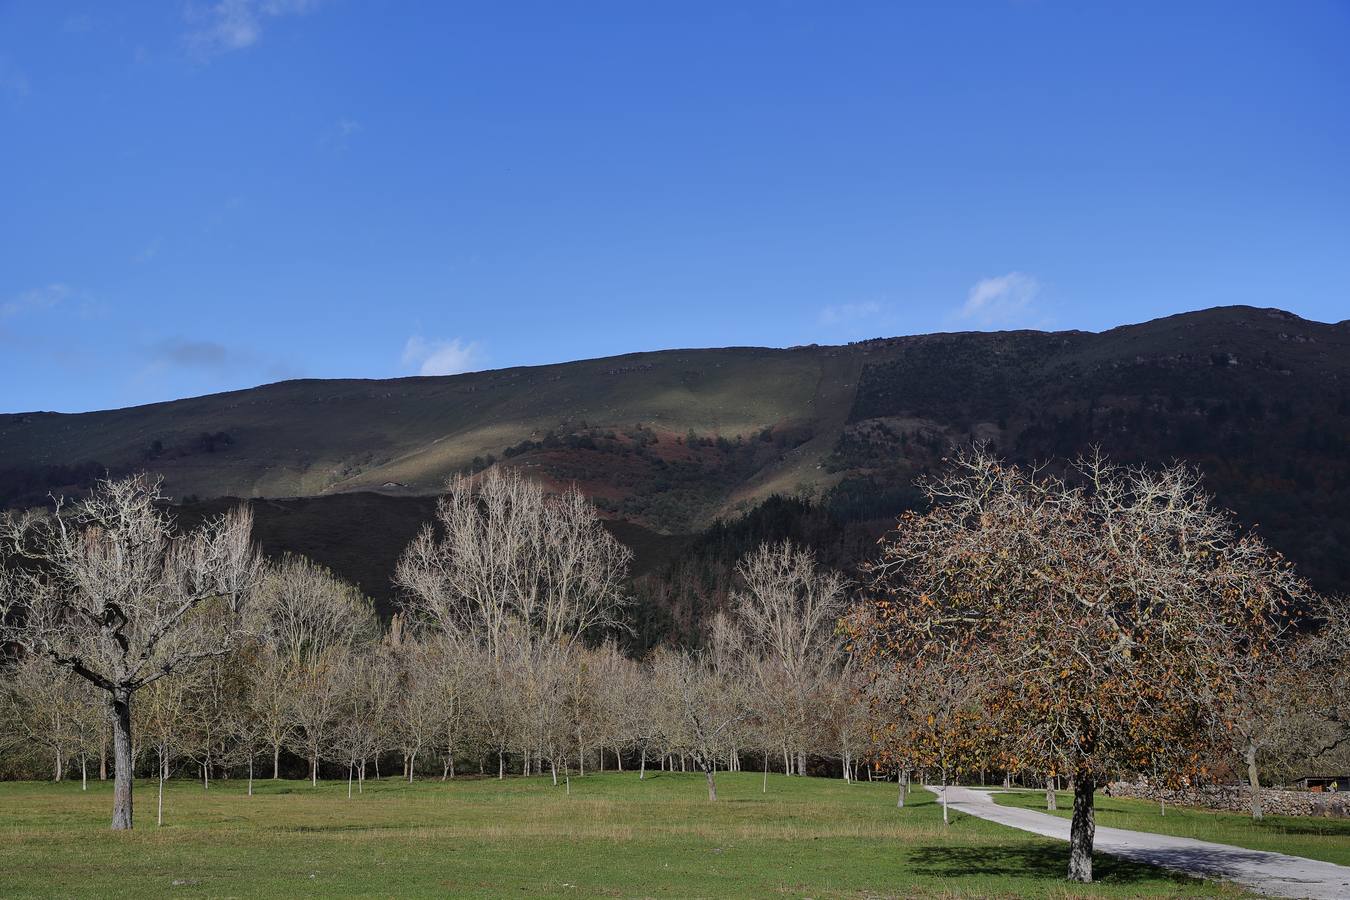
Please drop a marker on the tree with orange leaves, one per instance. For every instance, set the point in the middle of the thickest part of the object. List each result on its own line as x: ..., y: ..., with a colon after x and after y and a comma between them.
x: 1097, y: 622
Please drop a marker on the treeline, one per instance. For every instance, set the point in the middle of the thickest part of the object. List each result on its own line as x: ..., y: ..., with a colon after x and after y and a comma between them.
x: 1070, y: 630
x: 504, y: 657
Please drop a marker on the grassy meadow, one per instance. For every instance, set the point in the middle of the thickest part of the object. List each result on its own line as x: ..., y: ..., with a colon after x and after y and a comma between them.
x: 1315, y: 838
x: 612, y: 836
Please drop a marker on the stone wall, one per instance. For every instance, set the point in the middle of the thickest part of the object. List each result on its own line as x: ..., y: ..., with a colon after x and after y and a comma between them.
x: 1237, y: 798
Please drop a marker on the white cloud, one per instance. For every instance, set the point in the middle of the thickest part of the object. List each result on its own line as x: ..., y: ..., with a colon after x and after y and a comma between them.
x: 228, y: 25
x: 212, y: 359
x: 1001, y: 301
x: 442, y: 357
x: 846, y: 313
x: 36, y: 299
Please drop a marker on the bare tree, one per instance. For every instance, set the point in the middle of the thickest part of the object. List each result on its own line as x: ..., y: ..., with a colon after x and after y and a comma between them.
x: 315, y: 705
x: 54, y: 710
x: 505, y: 555
x: 614, y: 687
x: 248, y: 723
x: 303, y: 610
x: 1323, y: 676
x: 787, y: 615
x: 1267, y: 712
x: 416, y: 711
x: 454, y: 679
x: 110, y: 590
x: 701, y: 709
x: 305, y: 618
x: 364, y: 702
x: 846, y: 720
x: 206, y: 733
x: 272, y: 676
x: 161, y: 716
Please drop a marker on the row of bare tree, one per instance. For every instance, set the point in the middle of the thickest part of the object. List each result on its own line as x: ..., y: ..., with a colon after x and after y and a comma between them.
x: 499, y: 659
x: 1097, y: 623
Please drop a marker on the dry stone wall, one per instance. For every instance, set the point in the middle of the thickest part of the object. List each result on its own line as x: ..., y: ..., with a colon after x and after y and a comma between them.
x: 1237, y: 798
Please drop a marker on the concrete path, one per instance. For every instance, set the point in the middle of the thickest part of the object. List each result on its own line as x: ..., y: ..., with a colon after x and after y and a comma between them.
x: 1273, y: 874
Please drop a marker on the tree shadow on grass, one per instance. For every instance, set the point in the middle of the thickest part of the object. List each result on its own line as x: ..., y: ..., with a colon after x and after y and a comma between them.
x: 1311, y: 825
x: 1031, y: 861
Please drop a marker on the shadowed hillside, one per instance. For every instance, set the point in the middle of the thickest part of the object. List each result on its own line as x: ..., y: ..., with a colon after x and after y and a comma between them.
x: 672, y: 441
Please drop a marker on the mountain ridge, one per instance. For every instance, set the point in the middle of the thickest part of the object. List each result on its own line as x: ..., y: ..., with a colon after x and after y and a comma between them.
x: 674, y: 440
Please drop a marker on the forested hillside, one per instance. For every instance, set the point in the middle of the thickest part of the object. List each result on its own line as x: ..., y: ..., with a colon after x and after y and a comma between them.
x: 674, y: 445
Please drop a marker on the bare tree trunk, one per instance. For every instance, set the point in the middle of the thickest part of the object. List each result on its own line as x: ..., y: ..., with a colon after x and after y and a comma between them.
x: 250, y: 772
x: 945, y: 819
x: 1051, y: 801
x: 450, y: 757
x: 901, y: 781
x: 642, y: 764
x: 412, y: 762
x: 501, y: 765
x: 159, y: 810
x: 276, y: 761
x: 553, y: 765
x: 84, y: 774
x: 122, y: 773
x: 350, y: 767
x: 314, y: 769
x: 1082, y: 830
x: 764, y: 785
x: 618, y: 758
x: 1254, y: 780
x: 712, y: 782
x: 58, y: 773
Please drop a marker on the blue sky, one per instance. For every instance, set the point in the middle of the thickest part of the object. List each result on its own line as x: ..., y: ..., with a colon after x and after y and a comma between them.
x: 208, y: 195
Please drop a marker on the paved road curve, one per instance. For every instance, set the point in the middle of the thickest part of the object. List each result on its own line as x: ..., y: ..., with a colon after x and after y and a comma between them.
x: 1273, y: 874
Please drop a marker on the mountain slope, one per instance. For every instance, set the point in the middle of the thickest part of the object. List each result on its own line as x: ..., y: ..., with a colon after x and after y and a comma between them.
x: 309, y: 437
x: 1258, y: 399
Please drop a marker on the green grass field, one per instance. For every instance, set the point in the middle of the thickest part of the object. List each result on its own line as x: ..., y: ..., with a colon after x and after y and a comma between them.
x: 1316, y: 838
x: 612, y: 837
